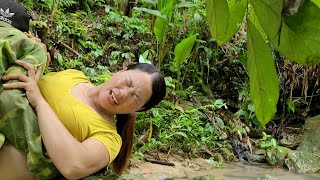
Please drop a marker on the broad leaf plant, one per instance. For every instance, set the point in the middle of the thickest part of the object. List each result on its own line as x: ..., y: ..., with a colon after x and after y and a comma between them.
x: 291, y: 27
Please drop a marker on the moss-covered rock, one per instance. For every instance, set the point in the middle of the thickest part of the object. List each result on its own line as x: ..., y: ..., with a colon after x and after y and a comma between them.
x: 303, y: 162
x: 277, y: 156
x: 306, y: 159
x: 205, y: 177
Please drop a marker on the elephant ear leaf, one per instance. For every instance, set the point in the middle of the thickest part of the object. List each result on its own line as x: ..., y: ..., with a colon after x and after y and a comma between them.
x: 264, y: 82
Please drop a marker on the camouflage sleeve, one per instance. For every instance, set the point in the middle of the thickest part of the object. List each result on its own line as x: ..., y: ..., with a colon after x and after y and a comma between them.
x: 18, y: 121
x: 17, y: 46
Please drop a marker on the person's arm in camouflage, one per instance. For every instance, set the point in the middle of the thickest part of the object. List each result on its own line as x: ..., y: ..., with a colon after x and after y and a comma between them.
x: 18, y: 121
x: 15, y: 45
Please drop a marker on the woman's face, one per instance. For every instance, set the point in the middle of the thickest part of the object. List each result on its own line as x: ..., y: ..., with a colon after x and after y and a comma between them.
x: 126, y: 91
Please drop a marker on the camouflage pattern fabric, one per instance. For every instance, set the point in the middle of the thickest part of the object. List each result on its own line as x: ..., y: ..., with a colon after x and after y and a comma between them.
x: 18, y: 121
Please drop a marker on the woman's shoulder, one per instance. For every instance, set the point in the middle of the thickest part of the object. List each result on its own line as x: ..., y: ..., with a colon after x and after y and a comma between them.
x: 66, y: 74
x: 71, y: 72
x: 65, y: 79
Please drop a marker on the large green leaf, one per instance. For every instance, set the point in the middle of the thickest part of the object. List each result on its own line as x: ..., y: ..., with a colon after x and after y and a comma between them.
x: 300, y: 35
x: 255, y: 20
x: 183, y: 49
x: 161, y: 25
x: 225, y: 18
x: 237, y: 10
x: 264, y: 82
x: 218, y: 18
x: 269, y: 14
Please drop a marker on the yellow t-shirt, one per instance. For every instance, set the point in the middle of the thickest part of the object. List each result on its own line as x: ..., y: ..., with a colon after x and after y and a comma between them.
x: 80, y: 120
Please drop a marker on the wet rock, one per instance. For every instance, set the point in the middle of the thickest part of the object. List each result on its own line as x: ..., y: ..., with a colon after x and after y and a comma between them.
x: 130, y: 177
x: 218, y: 157
x: 260, y: 152
x: 311, y: 138
x: 303, y: 162
x: 306, y: 159
x: 266, y: 177
x: 205, y: 177
x: 227, y: 154
x: 98, y: 176
x: 290, y: 141
x: 257, y: 158
x: 160, y: 176
x: 278, y: 156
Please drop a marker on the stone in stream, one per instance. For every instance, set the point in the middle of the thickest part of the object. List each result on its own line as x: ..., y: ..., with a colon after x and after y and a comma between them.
x: 160, y: 176
x: 290, y: 141
x: 306, y: 159
x: 278, y: 157
x: 205, y: 177
x: 130, y: 177
x: 266, y: 177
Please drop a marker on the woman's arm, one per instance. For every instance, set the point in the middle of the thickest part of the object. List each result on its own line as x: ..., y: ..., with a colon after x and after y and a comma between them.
x: 72, y: 158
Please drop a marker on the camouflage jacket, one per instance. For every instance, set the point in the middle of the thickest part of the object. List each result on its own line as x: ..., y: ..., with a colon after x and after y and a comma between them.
x: 18, y: 121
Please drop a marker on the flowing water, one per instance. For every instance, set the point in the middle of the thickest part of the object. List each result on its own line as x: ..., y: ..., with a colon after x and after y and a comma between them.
x: 232, y: 171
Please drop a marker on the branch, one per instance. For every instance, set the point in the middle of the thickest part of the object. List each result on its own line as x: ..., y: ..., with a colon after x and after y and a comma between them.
x: 158, y: 162
x: 70, y: 49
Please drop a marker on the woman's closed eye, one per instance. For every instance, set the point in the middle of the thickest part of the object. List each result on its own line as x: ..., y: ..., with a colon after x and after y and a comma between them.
x: 129, y: 81
x: 136, y: 97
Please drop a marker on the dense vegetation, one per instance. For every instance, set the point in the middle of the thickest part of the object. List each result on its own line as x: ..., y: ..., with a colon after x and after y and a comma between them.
x: 208, y: 109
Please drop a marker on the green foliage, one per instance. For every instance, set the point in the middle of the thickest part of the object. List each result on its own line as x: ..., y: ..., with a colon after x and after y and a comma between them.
x: 183, y: 49
x: 317, y: 2
x: 217, y: 13
x: 247, y: 109
x: 122, y: 32
x: 270, y: 145
x: 225, y: 18
x: 179, y: 131
x: 297, y: 36
x: 181, y: 52
x: 264, y: 83
x: 161, y: 24
x: 293, y: 104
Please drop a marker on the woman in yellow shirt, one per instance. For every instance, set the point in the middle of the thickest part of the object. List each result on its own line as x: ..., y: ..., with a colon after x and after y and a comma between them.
x: 85, y: 127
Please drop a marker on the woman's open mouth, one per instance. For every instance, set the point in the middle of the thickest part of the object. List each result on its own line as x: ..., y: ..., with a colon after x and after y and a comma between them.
x: 112, y: 97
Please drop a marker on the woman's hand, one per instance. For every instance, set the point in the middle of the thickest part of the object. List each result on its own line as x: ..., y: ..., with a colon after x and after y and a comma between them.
x: 29, y: 83
x: 38, y: 40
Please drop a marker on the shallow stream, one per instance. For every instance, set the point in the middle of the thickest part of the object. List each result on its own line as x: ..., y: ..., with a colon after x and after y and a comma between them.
x: 232, y: 171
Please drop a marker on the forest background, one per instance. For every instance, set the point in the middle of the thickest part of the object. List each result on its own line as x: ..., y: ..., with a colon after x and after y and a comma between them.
x: 210, y: 110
